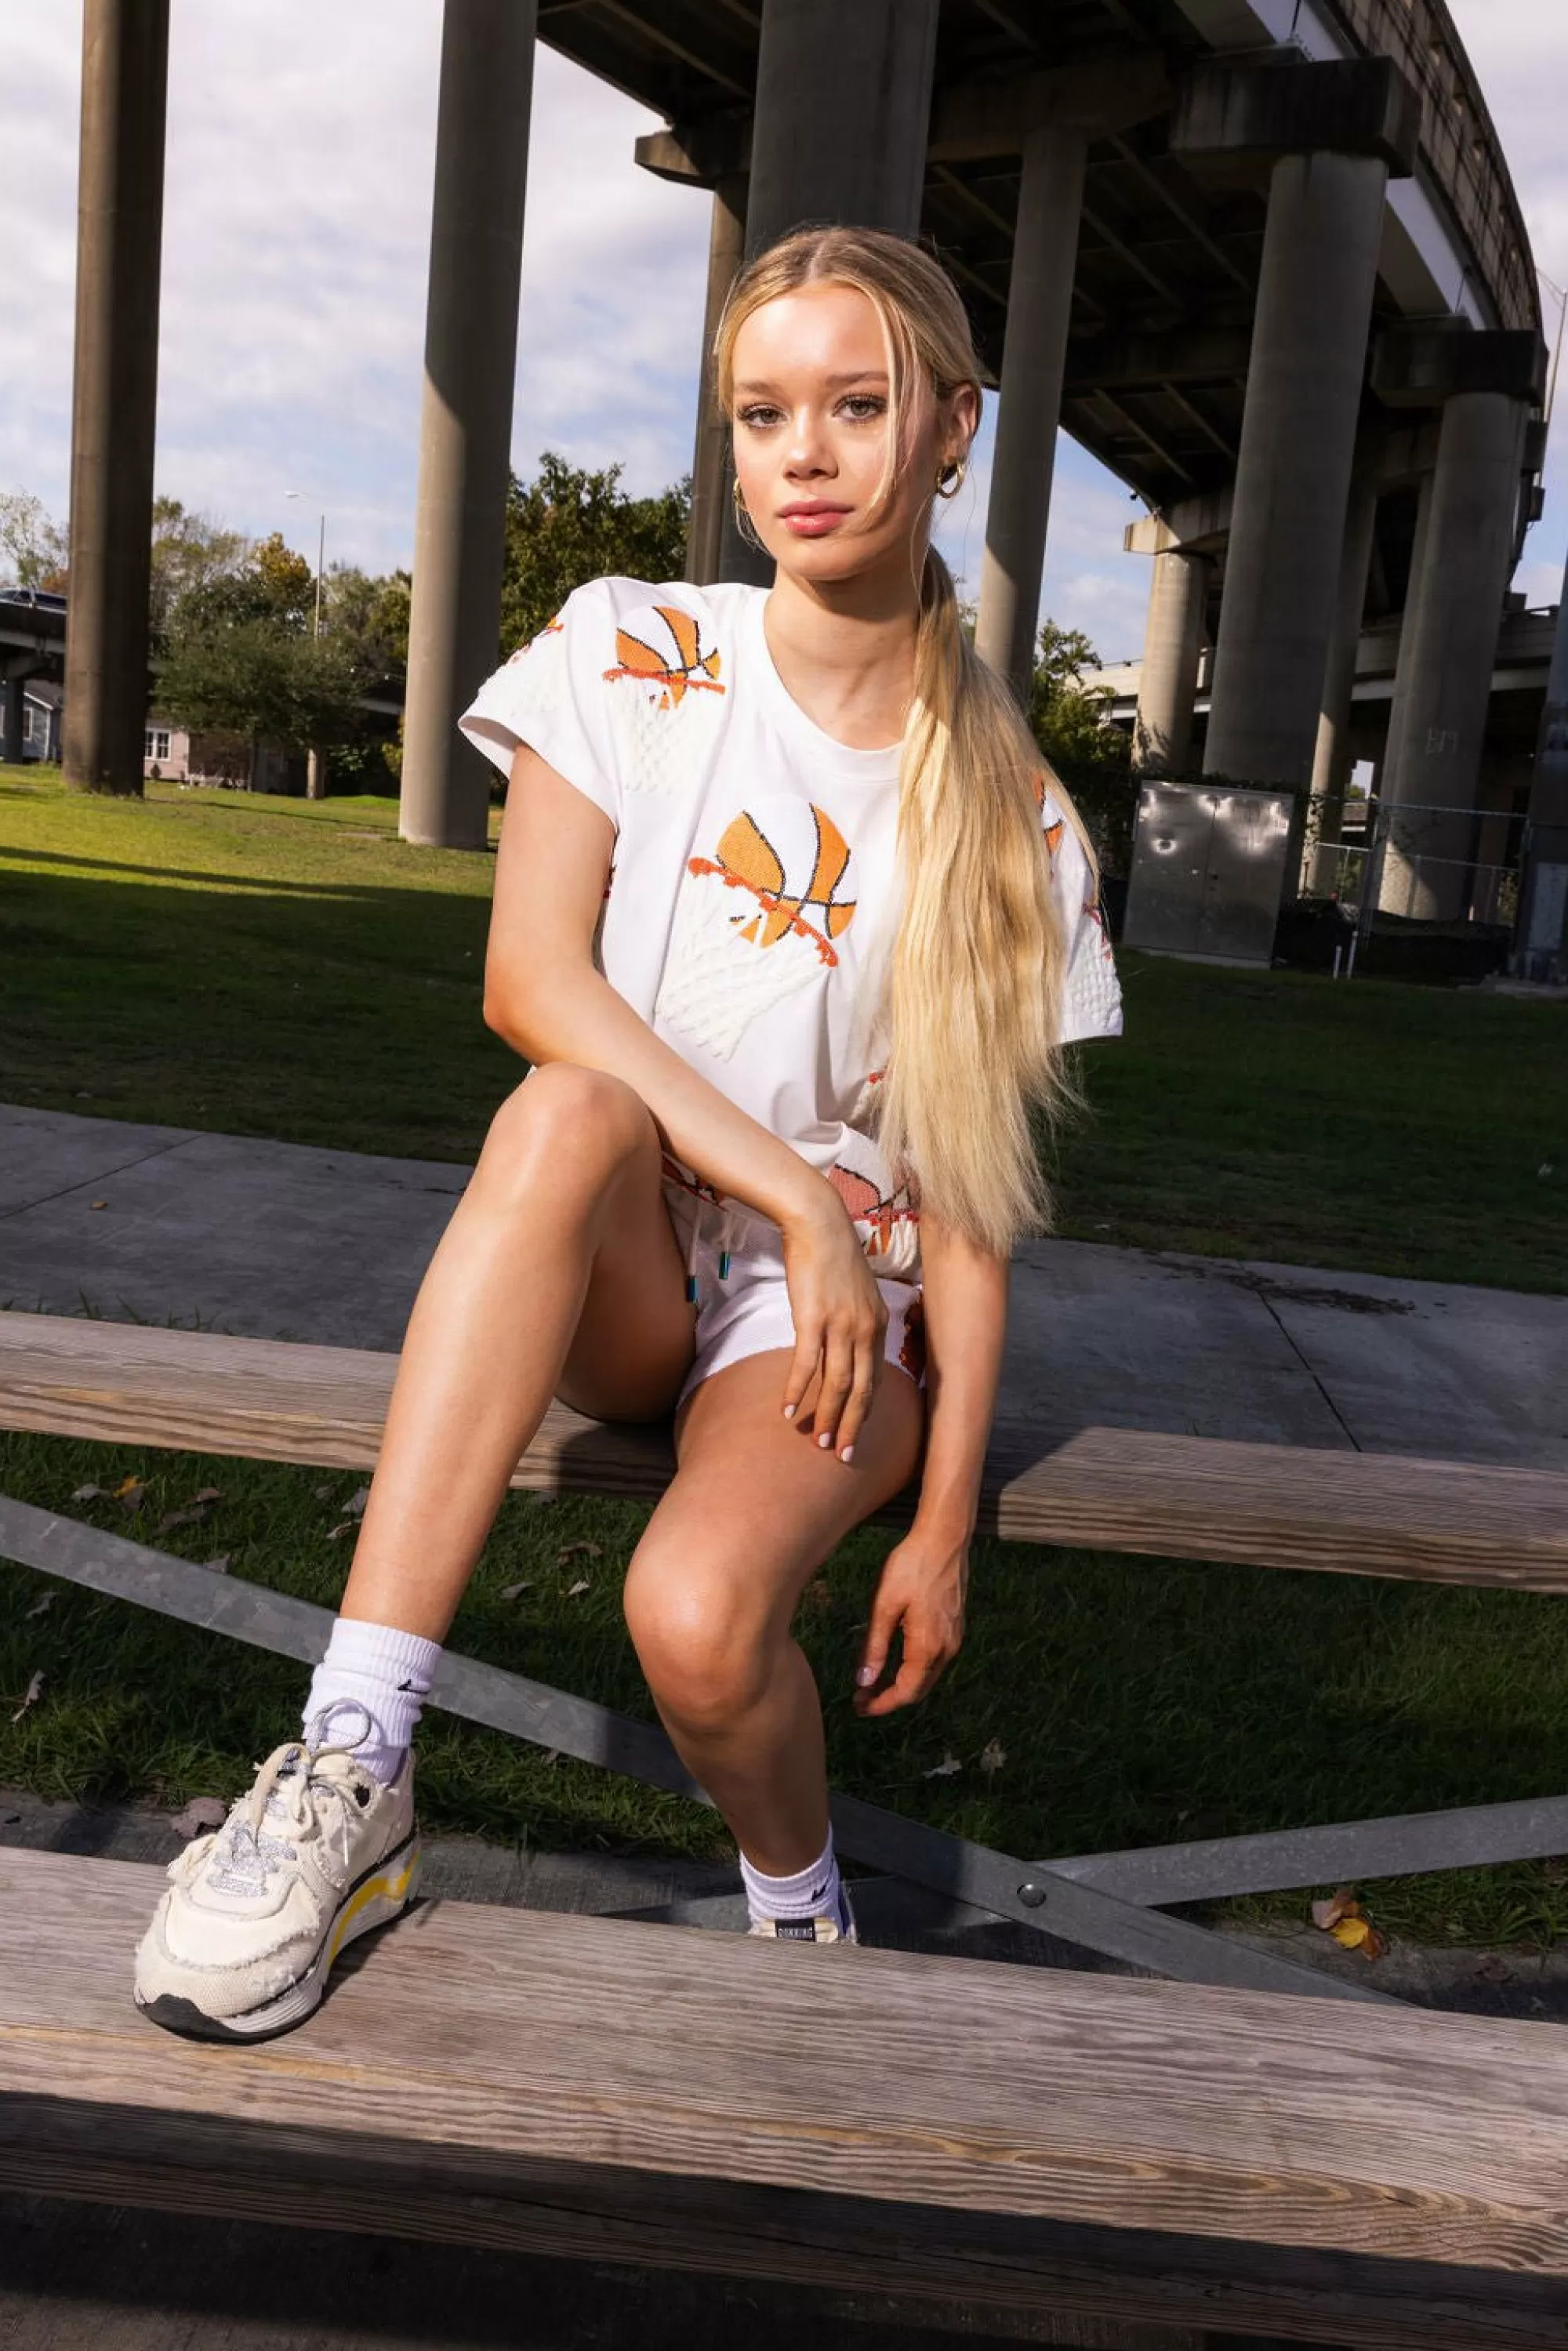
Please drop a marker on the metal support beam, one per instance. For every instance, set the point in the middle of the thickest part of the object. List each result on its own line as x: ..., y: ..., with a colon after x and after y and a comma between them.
x: 594, y: 1734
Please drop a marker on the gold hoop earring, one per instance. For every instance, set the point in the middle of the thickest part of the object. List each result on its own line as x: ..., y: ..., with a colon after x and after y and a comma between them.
x: 950, y: 478
x: 743, y: 521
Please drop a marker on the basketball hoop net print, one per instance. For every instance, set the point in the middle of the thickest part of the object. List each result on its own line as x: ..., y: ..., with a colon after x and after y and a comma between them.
x: 756, y: 922
x: 663, y: 672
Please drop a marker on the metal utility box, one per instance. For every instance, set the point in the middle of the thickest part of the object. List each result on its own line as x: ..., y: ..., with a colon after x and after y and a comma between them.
x: 1208, y: 872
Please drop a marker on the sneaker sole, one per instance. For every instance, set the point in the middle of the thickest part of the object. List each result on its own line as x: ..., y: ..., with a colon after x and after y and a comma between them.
x: 374, y: 1900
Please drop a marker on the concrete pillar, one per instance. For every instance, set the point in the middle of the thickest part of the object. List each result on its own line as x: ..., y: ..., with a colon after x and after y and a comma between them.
x: 14, y: 689
x: 466, y: 427
x: 1034, y: 355
x: 843, y: 112
x: 1292, y: 481
x: 1173, y: 651
x: 1332, y: 761
x: 843, y: 105
x: 711, y: 474
x: 120, y: 226
x: 1448, y: 648
x: 1542, y: 939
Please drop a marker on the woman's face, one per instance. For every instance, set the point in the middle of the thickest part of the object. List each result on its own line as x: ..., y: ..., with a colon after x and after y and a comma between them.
x: 811, y: 426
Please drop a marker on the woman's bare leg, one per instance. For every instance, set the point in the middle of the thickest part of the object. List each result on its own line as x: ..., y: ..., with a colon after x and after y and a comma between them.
x: 559, y: 1271
x: 754, y: 1510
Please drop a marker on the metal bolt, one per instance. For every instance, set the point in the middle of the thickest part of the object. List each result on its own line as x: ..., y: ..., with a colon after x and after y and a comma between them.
x: 1031, y: 1896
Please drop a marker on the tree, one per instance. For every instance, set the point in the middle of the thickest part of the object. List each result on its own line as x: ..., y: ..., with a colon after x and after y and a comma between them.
x: 189, y: 550
x: 569, y: 526
x: 1093, y: 758
x: 372, y: 613
x: 240, y: 659
x: 33, y: 546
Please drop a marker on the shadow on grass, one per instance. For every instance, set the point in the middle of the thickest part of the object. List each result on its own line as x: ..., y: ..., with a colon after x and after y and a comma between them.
x: 349, y: 1016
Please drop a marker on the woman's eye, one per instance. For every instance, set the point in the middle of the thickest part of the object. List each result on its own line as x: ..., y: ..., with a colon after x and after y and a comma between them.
x: 758, y: 415
x: 861, y: 405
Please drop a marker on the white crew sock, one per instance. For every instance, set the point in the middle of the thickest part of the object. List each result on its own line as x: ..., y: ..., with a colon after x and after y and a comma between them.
x: 813, y: 1893
x: 378, y: 1671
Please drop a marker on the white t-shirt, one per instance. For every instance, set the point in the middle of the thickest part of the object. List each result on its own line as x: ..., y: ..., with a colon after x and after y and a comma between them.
x: 753, y: 894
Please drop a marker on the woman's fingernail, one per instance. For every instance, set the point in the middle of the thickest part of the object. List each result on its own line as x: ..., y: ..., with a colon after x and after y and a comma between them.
x: 826, y: 1437
x: 788, y: 1412
x: 848, y: 1454
x: 866, y: 1676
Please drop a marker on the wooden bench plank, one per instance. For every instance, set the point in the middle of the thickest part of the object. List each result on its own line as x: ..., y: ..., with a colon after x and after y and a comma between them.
x: 1124, y: 1489
x: 633, y: 2092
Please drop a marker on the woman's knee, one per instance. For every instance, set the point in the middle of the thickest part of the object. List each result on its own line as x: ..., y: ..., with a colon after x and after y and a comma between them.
x: 578, y: 1125
x: 708, y: 1655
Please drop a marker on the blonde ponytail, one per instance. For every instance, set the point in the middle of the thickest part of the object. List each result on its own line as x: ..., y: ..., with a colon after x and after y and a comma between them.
x: 974, y: 990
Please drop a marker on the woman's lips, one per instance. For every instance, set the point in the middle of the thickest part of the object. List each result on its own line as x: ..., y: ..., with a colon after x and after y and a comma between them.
x: 812, y: 522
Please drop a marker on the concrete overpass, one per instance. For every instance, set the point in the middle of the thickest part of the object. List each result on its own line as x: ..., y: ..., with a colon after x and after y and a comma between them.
x: 1263, y: 258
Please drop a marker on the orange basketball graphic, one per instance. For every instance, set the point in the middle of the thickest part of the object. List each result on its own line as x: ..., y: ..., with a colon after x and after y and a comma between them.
x: 660, y: 647
x: 758, y: 920
x: 867, y: 1206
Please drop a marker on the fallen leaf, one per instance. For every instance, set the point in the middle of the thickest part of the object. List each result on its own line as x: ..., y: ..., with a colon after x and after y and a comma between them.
x: 200, y: 1813
x: 992, y: 1757
x: 510, y: 1591
x: 90, y: 1494
x: 205, y: 1498
x: 39, y: 1606
x: 34, y: 1692
x: 577, y: 1551
x: 818, y: 1594
x: 179, y: 1519
x: 574, y: 1589
x: 219, y: 1566
x: 1341, y: 1904
x: 543, y: 1499
x: 323, y: 1493
x: 129, y: 1493
x: 347, y: 1527
x: 98, y: 1204
x: 552, y: 1757
x: 354, y: 1508
x: 1351, y: 1932
x: 945, y: 1770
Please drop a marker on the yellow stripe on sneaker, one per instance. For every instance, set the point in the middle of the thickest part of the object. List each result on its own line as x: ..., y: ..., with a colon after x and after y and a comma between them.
x: 393, y: 1889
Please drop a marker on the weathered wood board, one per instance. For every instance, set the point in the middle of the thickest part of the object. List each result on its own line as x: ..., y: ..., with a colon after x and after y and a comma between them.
x: 1127, y: 2149
x: 1113, y: 1489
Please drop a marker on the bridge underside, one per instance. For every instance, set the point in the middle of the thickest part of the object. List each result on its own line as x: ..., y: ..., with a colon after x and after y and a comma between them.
x: 1264, y: 261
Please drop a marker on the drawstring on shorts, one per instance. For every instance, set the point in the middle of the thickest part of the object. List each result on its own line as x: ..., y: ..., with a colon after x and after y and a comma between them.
x: 726, y: 1235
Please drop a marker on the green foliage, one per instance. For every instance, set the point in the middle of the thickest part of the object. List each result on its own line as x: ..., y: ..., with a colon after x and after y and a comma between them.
x: 1093, y: 758
x: 189, y: 550
x: 372, y: 613
x: 31, y: 544
x: 569, y: 526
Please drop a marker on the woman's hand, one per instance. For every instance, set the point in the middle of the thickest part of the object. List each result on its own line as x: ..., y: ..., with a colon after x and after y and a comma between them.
x: 922, y: 1588
x: 840, y: 1319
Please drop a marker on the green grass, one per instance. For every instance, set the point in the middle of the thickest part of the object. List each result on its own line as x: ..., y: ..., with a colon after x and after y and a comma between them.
x: 1136, y: 1700
x: 261, y: 965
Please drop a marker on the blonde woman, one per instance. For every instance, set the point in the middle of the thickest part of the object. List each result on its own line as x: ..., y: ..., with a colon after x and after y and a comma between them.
x: 791, y: 931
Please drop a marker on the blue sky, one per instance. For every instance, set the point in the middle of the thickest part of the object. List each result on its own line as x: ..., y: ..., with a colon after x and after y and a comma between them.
x: 301, y: 135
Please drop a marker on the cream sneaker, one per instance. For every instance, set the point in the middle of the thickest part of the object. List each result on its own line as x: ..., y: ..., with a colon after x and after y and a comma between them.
x: 319, y: 1852
x: 825, y: 1929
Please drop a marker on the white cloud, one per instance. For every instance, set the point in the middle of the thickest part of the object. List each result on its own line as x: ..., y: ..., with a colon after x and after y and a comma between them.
x: 296, y: 223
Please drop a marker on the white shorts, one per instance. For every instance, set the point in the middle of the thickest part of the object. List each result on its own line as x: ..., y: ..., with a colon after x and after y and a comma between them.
x: 744, y: 1309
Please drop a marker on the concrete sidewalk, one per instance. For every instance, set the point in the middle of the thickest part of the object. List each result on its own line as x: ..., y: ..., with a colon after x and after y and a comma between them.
x: 280, y: 1240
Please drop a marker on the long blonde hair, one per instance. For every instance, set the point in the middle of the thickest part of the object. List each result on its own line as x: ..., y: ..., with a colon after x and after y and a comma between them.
x: 976, y: 984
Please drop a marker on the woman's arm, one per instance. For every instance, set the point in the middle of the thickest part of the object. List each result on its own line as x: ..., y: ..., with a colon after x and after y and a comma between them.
x: 925, y: 1579
x: 543, y: 994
